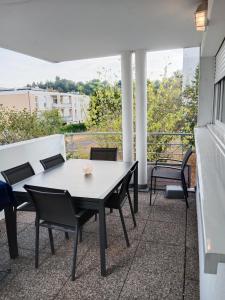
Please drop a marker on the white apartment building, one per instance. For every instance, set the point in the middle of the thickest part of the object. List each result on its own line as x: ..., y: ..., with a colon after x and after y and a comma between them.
x: 191, y: 59
x: 73, y: 107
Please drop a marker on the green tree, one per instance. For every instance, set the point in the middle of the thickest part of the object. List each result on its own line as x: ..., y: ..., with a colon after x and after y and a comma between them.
x: 190, y: 104
x: 67, y: 86
x: 165, y: 113
x: 22, y: 125
x: 105, y: 108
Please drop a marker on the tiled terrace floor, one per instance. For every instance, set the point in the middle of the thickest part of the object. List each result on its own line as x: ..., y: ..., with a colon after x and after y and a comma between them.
x: 162, y: 262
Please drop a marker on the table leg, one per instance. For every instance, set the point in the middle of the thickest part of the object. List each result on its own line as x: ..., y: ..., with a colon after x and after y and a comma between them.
x: 136, y: 190
x: 10, y: 221
x: 102, y: 238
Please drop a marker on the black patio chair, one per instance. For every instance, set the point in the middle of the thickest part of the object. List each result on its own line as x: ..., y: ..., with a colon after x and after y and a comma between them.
x: 55, y: 210
x: 171, y: 172
x: 103, y: 154
x: 117, y: 200
x: 109, y: 154
x: 52, y: 161
x: 17, y: 174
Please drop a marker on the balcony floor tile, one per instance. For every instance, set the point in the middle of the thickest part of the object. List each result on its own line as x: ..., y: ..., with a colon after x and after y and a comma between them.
x: 154, y: 267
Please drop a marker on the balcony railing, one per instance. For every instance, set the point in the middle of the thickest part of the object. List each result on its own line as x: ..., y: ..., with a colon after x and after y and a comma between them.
x: 159, y: 144
x: 61, y: 105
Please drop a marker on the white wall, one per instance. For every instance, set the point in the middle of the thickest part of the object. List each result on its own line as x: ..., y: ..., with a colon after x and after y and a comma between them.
x: 31, y: 151
x: 206, y: 90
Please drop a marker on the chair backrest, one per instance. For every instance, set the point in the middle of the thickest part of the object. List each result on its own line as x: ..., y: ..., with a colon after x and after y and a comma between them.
x: 52, y: 161
x: 103, y: 154
x: 186, y: 158
x: 125, y: 185
x: 18, y: 173
x: 53, y: 205
x: 134, y: 167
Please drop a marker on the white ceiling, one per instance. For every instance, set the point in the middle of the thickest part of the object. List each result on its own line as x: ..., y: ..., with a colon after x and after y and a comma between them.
x: 60, y: 30
x: 215, y: 33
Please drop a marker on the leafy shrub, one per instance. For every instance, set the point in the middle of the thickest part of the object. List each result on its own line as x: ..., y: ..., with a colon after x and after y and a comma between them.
x: 23, y: 125
x: 74, y: 128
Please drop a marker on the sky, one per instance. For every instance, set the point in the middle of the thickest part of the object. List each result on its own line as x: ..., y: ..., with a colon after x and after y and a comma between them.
x: 17, y: 70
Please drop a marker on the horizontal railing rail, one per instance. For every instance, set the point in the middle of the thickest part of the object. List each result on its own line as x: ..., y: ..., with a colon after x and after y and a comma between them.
x: 159, y: 144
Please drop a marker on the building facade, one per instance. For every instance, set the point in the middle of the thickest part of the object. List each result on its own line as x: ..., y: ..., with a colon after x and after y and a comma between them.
x: 72, y: 107
x: 191, y: 58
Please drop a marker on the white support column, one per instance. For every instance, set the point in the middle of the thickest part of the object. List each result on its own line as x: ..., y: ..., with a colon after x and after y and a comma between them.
x: 141, y: 115
x: 127, y: 105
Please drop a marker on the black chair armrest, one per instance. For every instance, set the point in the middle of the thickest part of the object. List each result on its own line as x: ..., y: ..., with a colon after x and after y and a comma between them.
x: 167, y: 167
x: 166, y: 159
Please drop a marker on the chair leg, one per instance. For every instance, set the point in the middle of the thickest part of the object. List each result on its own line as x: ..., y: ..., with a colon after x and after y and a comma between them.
x: 111, y: 210
x: 185, y: 195
x: 151, y: 191
x: 184, y: 190
x: 81, y: 234
x: 96, y: 217
x: 51, y: 241
x: 75, y: 253
x: 36, y: 243
x: 124, y: 227
x: 154, y: 185
x: 67, y: 236
x: 186, y: 200
x: 131, y: 209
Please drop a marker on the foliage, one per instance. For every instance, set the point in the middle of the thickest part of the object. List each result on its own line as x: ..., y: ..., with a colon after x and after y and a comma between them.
x: 68, y: 86
x: 105, y: 115
x: 190, y: 103
x: 169, y: 110
x: 78, y: 127
x: 22, y: 125
x: 165, y: 113
x: 105, y: 108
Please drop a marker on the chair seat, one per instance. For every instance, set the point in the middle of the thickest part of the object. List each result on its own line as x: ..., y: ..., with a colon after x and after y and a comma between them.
x: 82, y: 217
x: 114, y: 201
x: 166, y: 173
x: 27, y: 207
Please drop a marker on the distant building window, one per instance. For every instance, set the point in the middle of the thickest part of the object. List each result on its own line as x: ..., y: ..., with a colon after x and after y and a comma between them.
x: 61, y: 99
x: 45, y: 104
x: 70, y: 99
x: 54, y: 98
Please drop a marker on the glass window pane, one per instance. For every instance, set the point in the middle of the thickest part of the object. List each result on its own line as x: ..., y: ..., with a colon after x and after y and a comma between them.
x: 223, y: 101
x: 216, y: 101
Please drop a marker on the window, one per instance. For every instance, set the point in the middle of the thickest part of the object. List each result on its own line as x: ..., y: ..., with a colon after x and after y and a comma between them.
x: 61, y: 99
x: 54, y: 98
x: 219, y: 95
x: 219, y: 101
x: 223, y: 101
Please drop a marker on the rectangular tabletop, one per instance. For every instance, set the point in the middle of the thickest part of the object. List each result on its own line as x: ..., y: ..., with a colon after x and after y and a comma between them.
x: 105, y: 176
